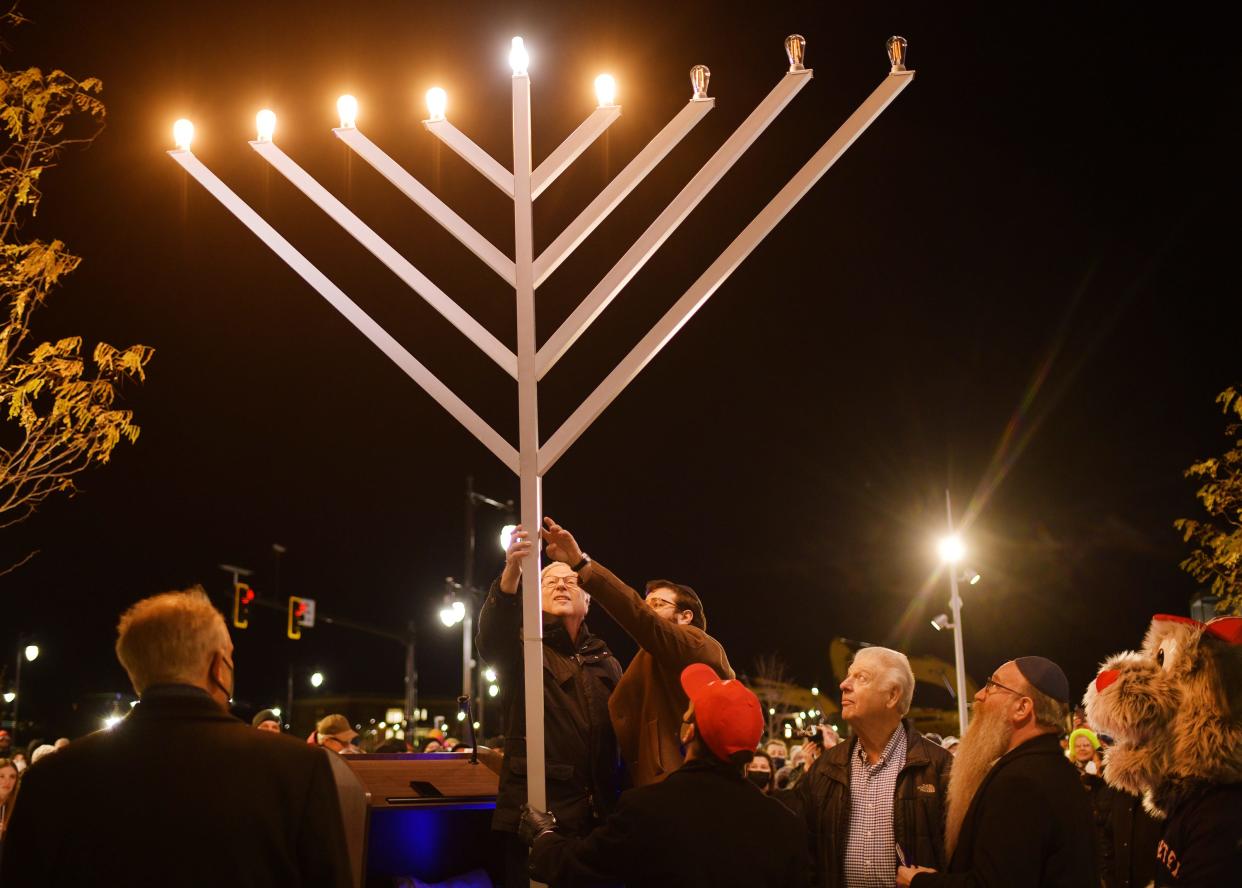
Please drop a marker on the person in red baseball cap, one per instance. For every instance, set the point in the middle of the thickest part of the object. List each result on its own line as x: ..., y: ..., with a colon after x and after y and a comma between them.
x: 704, y: 825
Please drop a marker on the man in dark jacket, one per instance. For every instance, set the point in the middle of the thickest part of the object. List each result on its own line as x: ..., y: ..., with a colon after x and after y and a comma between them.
x: 1018, y: 817
x: 179, y: 792
x: 579, y: 674
x: 882, y: 791
x: 671, y: 630
x: 703, y: 826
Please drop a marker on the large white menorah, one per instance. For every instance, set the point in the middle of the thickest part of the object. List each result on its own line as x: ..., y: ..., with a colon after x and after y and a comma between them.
x: 525, y: 272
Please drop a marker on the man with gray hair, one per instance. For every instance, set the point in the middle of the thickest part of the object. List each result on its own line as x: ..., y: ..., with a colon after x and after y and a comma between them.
x: 179, y: 792
x: 879, y: 800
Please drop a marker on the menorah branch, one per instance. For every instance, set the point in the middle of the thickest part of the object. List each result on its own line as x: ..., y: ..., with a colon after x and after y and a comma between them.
x: 471, y: 153
x: 569, y: 150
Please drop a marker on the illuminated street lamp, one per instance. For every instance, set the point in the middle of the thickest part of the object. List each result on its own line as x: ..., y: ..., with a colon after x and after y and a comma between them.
x: 316, y: 679
x: 29, y: 654
x: 952, y: 550
x: 10, y: 696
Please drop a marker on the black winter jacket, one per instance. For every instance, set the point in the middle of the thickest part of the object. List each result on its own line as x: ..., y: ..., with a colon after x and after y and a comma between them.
x: 1029, y: 825
x: 580, y: 749
x: 822, y: 799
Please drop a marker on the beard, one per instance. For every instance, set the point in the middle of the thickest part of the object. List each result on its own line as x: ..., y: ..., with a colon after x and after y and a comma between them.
x: 985, y: 740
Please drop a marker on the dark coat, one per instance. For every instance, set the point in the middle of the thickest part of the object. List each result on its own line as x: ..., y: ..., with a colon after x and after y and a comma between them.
x: 822, y: 799
x: 1202, y: 843
x: 702, y: 826
x: 1029, y: 826
x: 649, y: 702
x: 179, y: 793
x: 1128, y: 840
x: 580, y: 750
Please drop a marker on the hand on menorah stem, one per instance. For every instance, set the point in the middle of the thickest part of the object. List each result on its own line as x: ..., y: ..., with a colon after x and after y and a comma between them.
x: 561, y: 543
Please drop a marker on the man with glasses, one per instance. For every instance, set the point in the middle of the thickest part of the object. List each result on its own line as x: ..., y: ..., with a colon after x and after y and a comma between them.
x: 579, y: 674
x: 1017, y: 813
x: 670, y: 628
x: 179, y: 792
x: 877, y: 800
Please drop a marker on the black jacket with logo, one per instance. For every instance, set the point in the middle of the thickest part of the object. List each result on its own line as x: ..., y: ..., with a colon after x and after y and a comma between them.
x: 580, y: 749
x: 1202, y: 843
x: 822, y: 799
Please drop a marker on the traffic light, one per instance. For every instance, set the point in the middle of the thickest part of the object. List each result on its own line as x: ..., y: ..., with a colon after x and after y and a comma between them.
x: 301, y: 613
x: 242, y: 596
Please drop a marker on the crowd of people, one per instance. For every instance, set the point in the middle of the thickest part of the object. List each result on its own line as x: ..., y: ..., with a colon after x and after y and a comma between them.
x: 657, y: 773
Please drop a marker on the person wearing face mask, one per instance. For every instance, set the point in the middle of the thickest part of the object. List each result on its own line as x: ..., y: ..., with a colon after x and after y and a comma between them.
x: 760, y: 771
x: 703, y: 827
x: 179, y: 791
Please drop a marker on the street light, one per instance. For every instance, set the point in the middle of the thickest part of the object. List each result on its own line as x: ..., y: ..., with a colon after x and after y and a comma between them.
x: 952, y: 551
x: 506, y: 536
x: 32, y: 652
x: 452, y: 613
x: 9, y: 696
x: 316, y: 679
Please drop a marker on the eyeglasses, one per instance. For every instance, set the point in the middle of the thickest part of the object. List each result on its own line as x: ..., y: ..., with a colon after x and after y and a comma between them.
x: 657, y: 603
x: 552, y: 580
x: 993, y: 683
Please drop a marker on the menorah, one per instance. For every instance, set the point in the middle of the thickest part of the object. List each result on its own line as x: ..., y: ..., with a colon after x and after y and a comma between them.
x: 525, y: 272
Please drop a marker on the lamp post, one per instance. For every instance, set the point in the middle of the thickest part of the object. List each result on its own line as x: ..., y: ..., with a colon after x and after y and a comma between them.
x: 29, y: 653
x: 523, y: 184
x: 952, y: 551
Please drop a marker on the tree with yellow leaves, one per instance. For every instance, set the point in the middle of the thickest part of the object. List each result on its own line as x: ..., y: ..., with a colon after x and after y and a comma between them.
x: 59, y: 415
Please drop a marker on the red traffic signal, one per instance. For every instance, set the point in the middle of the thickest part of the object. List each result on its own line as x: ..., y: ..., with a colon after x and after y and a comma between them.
x: 243, y: 595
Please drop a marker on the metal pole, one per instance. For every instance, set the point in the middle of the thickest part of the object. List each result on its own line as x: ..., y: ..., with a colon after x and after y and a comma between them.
x: 955, y: 602
x: 411, y: 681
x: 467, y: 659
x: 528, y: 441
x: 288, y: 713
x: 17, y: 687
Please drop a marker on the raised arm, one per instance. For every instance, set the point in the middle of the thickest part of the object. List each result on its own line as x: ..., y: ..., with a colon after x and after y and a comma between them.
x: 500, y: 621
x: 676, y: 645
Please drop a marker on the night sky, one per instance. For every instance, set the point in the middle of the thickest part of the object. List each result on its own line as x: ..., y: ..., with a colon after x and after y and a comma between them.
x: 1013, y: 286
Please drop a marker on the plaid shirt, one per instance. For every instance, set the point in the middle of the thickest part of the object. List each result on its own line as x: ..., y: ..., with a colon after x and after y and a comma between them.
x: 870, y: 860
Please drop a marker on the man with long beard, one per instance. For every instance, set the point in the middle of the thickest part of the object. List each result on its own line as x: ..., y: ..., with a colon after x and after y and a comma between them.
x: 1017, y: 815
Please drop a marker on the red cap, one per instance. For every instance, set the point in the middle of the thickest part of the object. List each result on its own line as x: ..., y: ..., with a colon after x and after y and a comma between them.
x: 727, y: 715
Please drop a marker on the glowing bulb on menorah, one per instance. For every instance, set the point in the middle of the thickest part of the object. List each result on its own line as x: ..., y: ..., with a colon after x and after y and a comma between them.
x: 347, y: 109
x: 183, y: 134
x: 519, y: 58
x: 265, y: 123
x: 437, y: 103
x: 606, y: 90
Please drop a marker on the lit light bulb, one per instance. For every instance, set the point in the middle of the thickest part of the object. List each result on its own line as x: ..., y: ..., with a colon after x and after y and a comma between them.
x: 316, y: 679
x: 32, y: 652
x: 490, y: 675
x: 506, y: 536
x: 461, y: 716
x: 814, y: 692
x: 951, y: 549
x: 700, y: 75
x: 606, y: 90
x: 492, y: 690
x: 9, y: 697
x: 795, y: 48
x: 265, y: 123
x: 183, y: 134
x: 111, y: 722
x: 347, y: 108
x: 437, y: 103
x: 519, y: 58
x: 896, y: 47
x: 276, y: 711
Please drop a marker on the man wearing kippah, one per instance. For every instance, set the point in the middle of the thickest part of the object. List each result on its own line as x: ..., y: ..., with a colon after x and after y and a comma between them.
x: 1017, y: 815
x: 706, y: 825
x: 671, y: 630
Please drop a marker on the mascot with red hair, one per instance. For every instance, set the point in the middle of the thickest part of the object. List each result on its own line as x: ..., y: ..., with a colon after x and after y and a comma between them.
x: 1174, y: 713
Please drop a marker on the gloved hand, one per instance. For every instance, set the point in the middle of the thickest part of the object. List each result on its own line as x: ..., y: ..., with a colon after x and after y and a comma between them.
x: 535, y: 823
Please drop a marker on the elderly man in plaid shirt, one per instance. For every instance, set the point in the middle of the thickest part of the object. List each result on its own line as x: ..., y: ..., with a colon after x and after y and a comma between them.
x: 878, y: 800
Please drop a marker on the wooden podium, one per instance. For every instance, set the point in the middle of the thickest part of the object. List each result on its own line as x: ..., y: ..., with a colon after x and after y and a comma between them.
x: 422, y: 815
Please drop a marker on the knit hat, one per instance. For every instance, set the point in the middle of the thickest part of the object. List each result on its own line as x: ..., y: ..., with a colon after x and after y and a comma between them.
x: 727, y: 716
x: 1083, y: 732
x: 1045, y: 677
x: 335, y: 726
x: 264, y: 715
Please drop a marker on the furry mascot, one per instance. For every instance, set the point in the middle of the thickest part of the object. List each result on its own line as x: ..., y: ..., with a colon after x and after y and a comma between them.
x: 1174, y: 712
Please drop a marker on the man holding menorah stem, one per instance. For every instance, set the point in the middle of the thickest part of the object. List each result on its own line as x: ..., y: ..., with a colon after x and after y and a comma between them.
x: 670, y: 628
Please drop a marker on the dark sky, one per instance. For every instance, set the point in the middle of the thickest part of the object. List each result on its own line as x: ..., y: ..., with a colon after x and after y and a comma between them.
x: 1013, y: 286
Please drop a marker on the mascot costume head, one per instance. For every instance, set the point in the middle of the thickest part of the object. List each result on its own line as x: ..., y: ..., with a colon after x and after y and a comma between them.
x: 1173, y: 710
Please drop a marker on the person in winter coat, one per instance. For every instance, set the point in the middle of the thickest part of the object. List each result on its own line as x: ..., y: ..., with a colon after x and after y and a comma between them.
x: 670, y: 627
x: 879, y: 799
x: 579, y: 674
